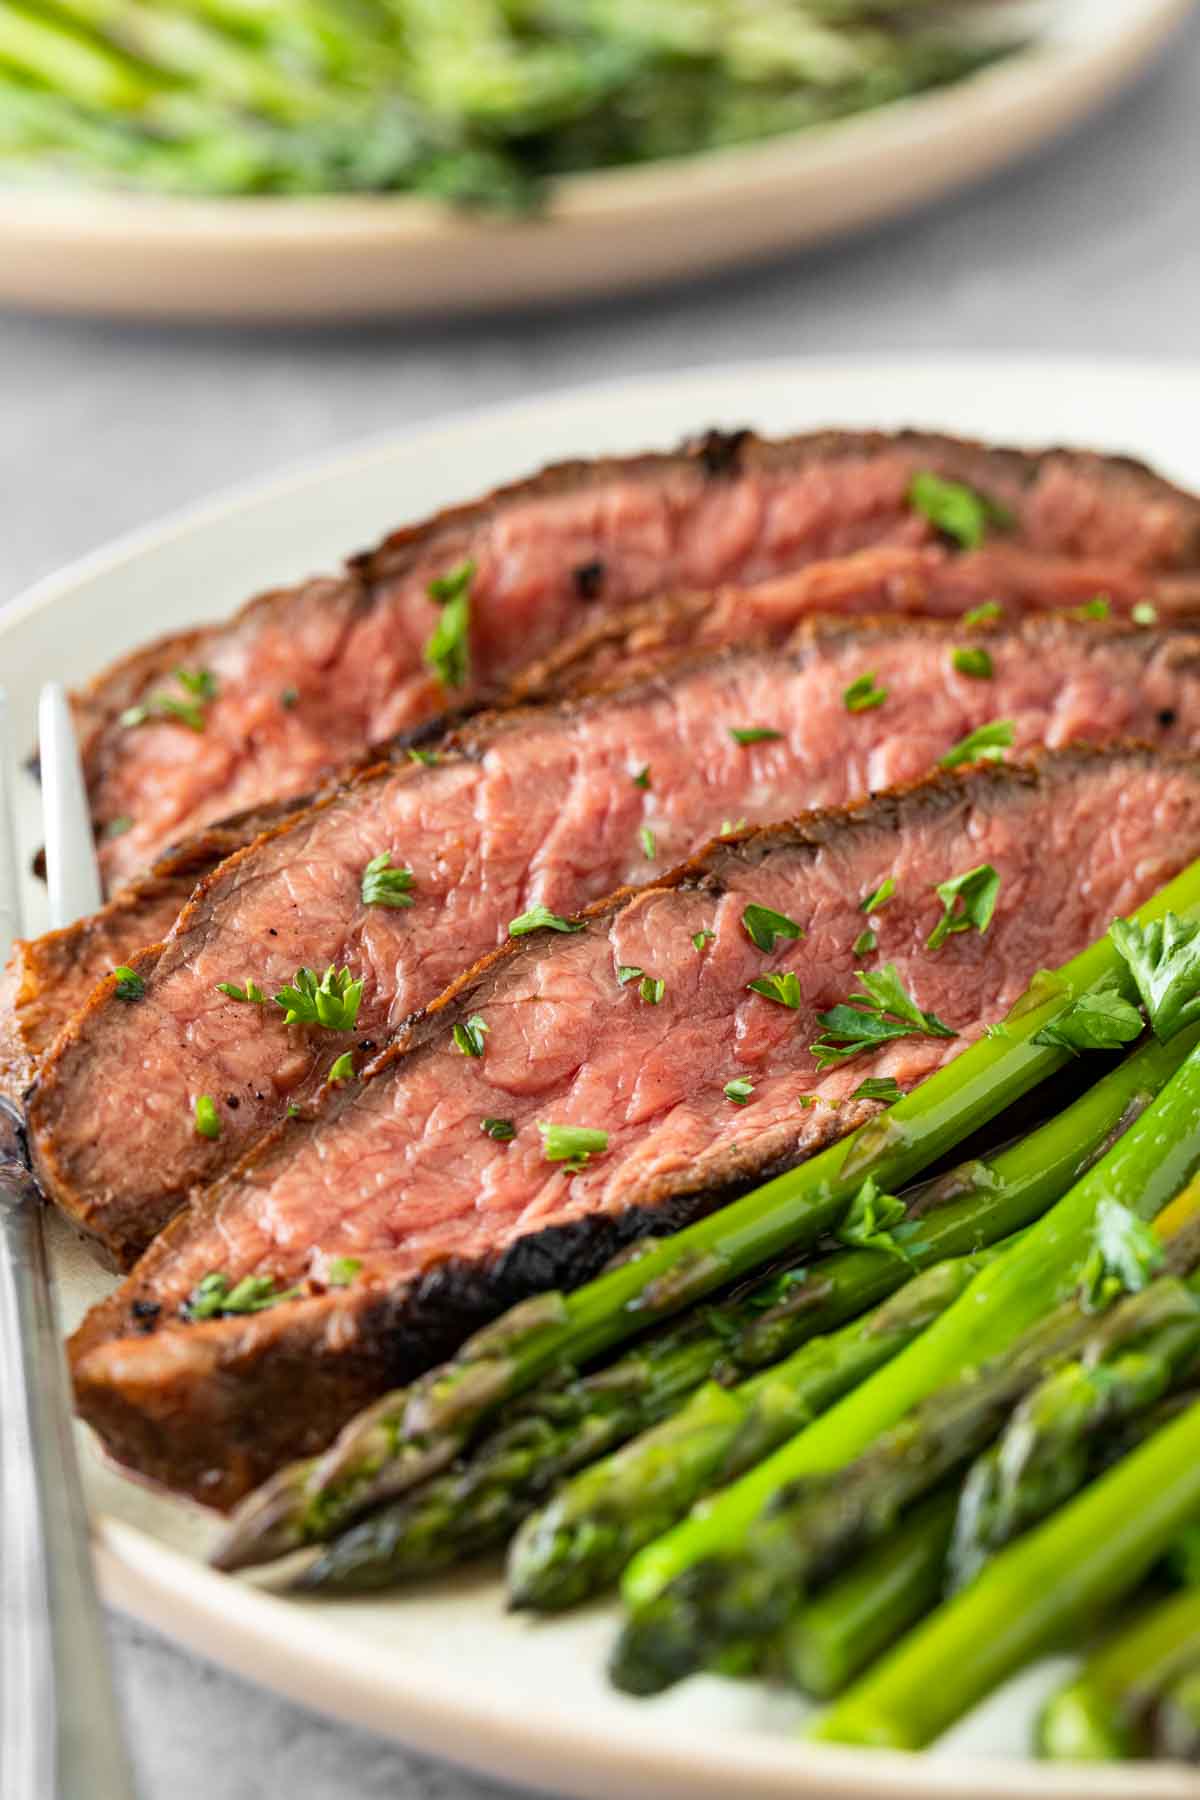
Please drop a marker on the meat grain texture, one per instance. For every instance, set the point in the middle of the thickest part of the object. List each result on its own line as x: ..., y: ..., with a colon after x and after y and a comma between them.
x: 305, y: 676
x: 449, y: 1225
x: 554, y: 807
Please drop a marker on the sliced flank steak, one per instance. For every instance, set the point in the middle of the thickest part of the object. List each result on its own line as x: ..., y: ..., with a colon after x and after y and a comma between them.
x: 579, y: 1088
x: 212, y: 721
x: 48, y: 979
x: 552, y: 807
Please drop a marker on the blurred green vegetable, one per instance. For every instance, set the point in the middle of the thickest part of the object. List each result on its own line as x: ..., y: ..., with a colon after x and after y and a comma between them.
x: 479, y: 103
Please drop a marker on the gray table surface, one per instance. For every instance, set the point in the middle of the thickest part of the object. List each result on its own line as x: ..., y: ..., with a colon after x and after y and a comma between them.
x: 1092, y: 246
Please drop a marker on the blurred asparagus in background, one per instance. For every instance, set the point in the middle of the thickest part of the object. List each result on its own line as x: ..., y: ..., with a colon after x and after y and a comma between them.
x: 480, y: 102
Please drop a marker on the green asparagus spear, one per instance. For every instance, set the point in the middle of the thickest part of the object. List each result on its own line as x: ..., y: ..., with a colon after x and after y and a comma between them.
x: 480, y: 1501
x: 593, y: 1525
x: 1146, y: 1167
x: 1176, y: 1732
x: 582, y: 1540
x: 862, y: 1613
x: 1105, y: 1712
x: 416, y: 1432
x: 1033, y: 1598
x: 811, y: 1529
x: 1049, y: 1447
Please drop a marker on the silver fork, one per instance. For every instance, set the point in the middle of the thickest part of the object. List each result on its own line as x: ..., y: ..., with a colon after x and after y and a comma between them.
x: 60, y: 1732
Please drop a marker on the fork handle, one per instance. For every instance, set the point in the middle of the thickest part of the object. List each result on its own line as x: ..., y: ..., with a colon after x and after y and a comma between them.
x: 60, y: 1733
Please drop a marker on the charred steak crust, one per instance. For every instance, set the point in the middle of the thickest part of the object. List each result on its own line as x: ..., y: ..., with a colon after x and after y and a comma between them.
x: 212, y: 1407
x: 348, y: 649
x: 118, y: 1153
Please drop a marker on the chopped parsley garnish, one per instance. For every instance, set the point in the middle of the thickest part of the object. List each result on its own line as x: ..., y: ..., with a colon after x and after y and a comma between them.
x: 574, y: 1145
x: 342, y: 1270
x: 739, y: 1091
x: 764, y: 927
x: 959, y: 512
x: 428, y: 759
x: 885, y: 1011
x: 973, y: 660
x: 200, y: 683
x: 877, y: 1087
x: 642, y: 778
x: 1145, y: 613
x: 1164, y: 960
x: 130, y: 985
x: 650, y: 989
x: 383, y: 885
x: 865, y: 942
x: 331, y: 1000
x: 208, y: 1125
x: 289, y: 697
x: 783, y: 989
x: 702, y: 937
x: 251, y: 993
x: 729, y: 826
x: 975, y: 893
x: 448, y: 650
x: 213, y: 1297
x: 862, y: 694
x: 985, y: 614
x: 1099, y: 1021
x: 165, y: 706
x: 648, y: 842
x: 754, y: 734
x: 986, y: 744
x: 342, y: 1070
x: 870, y: 1220
x: 1125, y: 1255
x: 469, y: 1037
x: 500, y: 1129
x: 880, y: 897
x: 293, y: 1111
x: 540, y: 916
x: 117, y: 827
x: 1098, y: 607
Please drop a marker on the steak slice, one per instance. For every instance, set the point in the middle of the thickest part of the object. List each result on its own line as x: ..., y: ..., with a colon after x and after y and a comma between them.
x: 307, y: 675
x: 525, y: 808
x: 49, y: 978
x: 446, y: 1225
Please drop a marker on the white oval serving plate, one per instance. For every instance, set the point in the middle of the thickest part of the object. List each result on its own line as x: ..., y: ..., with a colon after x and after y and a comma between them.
x: 444, y: 1668
x: 141, y: 256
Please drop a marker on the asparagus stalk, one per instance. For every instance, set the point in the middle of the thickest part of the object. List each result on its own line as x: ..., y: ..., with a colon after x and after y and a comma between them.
x: 397, y: 1540
x: 1048, y: 1449
x: 417, y: 1431
x: 1177, y: 1721
x: 582, y: 1540
x: 593, y: 1525
x: 812, y: 1529
x: 1145, y: 1168
x: 479, y: 1502
x: 1104, y: 1713
x: 863, y: 1612
x: 1031, y: 1599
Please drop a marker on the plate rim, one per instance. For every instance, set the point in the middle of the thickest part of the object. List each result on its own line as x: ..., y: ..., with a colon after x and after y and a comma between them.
x: 261, y: 259
x: 173, y: 1592
x: 635, y: 189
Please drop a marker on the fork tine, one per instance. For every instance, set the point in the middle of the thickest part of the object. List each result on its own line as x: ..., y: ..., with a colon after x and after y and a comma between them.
x: 72, y: 875
x: 12, y: 923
